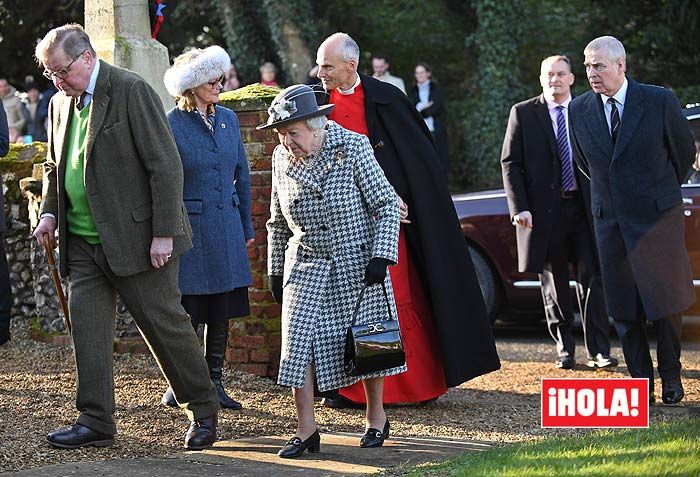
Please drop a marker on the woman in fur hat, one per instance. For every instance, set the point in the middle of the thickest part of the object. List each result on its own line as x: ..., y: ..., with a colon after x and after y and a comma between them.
x: 215, y: 273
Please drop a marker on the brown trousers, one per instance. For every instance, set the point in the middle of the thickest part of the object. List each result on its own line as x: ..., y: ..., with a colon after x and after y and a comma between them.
x: 153, y: 298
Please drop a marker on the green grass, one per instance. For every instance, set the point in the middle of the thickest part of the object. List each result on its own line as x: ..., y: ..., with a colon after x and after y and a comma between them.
x: 663, y: 449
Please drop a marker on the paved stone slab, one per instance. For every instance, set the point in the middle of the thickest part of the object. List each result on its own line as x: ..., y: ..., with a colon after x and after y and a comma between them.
x: 257, y: 457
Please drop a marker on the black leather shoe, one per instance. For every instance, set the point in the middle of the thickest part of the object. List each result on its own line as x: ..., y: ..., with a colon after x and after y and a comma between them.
x: 601, y: 361
x: 225, y: 400
x: 169, y: 398
x: 296, y: 447
x: 375, y: 437
x: 339, y: 402
x: 4, y: 336
x: 565, y: 363
x: 672, y: 391
x: 77, y: 435
x: 201, y: 434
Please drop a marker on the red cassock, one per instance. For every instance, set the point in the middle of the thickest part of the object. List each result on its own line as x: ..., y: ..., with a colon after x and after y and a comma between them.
x: 425, y: 378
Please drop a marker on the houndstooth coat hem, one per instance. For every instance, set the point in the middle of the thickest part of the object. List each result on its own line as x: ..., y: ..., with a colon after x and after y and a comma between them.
x: 329, y: 215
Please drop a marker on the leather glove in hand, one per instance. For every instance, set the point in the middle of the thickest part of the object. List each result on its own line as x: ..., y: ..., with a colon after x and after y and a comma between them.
x: 275, y: 282
x: 376, y: 270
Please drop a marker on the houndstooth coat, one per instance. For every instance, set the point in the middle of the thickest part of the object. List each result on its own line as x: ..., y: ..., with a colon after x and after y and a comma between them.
x: 329, y: 214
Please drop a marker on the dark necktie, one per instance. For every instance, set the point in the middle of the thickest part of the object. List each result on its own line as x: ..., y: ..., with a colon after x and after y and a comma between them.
x: 614, y: 119
x: 80, y: 100
x: 568, y: 182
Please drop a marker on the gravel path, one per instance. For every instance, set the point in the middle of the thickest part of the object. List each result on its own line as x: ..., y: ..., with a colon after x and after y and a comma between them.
x: 37, y: 395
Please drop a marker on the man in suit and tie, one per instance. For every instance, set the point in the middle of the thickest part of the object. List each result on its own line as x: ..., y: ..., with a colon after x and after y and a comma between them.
x: 635, y: 144
x: 548, y: 203
x: 113, y: 187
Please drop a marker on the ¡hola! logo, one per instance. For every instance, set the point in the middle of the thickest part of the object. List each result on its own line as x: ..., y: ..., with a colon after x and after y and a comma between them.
x: 605, y: 402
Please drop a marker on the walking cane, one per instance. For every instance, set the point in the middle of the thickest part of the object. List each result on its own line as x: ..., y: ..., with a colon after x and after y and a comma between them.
x: 57, y: 283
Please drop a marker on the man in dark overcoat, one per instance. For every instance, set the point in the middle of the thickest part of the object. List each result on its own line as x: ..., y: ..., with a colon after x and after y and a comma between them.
x: 5, y: 285
x: 635, y: 144
x: 113, y: 188
x: 549, y: 203
x: 404, y: 149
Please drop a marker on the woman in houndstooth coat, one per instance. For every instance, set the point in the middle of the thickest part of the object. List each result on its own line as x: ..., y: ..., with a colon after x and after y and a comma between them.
x: 334, y: 225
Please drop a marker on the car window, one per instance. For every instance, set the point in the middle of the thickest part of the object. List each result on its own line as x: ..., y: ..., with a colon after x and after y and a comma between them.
x: 692, y: 178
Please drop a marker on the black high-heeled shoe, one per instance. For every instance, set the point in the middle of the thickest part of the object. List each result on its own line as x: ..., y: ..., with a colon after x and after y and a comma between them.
x: 374, y: 437
x: 295, y: 446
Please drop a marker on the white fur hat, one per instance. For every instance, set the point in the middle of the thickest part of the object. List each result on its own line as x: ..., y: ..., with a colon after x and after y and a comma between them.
x: 196, y: 67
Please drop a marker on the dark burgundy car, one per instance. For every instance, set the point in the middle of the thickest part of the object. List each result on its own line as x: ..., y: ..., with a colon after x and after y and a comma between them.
x: 485, y: 222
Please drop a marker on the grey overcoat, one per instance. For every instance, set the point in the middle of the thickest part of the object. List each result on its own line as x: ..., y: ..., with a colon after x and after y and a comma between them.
x: 636, y: 198
x: 329, y: 214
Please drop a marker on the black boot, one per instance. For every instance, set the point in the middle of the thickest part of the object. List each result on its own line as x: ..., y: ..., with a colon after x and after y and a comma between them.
x: 215, y: 339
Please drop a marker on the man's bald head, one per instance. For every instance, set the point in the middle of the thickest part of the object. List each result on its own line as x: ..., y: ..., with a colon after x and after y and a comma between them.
x: 337, y: 59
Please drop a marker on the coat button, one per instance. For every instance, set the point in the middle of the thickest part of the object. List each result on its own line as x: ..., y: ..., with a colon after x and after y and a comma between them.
x: 319, y: 196
x: 220, y: 206
x: 363, y: 247
x: 552, y: 186
x: 217, y: 167
x: 219, y: 188
x: 324, y: 227
x: 214, y: 149
x: 296, y: 201
x: 328, y: 257
x: 303, y: 229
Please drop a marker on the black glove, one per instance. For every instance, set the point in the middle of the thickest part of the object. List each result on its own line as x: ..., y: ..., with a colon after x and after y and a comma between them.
x: 275, y: 283
x: 376, y: 270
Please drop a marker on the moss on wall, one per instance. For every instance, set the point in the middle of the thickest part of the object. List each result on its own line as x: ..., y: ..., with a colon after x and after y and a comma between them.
x: 254, y: 97
x: 18, y: 164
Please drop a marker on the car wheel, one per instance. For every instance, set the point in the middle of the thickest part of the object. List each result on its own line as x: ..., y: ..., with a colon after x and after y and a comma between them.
x: 487, y: 281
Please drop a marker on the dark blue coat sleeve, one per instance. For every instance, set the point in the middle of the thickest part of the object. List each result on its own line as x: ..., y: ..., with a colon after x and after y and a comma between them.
x: 4, y: 133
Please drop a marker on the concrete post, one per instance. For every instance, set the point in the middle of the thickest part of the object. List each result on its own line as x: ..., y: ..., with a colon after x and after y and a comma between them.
x: 121, y: 34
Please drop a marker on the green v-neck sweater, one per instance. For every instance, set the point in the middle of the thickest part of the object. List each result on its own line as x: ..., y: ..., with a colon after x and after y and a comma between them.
x: 78, y: 213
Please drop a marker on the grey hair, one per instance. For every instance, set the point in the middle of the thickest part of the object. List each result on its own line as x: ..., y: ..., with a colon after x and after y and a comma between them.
x: 612, y: 47
x: 316, y: 123
x: 71, y: 38
x: 350, y: 49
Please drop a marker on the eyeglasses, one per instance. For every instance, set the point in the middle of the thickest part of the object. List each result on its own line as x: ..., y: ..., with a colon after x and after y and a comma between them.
x: 219, y: 81
x: 61, y: 74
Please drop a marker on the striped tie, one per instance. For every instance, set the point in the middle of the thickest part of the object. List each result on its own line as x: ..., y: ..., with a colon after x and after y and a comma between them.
x: 568, y: 182
x: 614, y: 119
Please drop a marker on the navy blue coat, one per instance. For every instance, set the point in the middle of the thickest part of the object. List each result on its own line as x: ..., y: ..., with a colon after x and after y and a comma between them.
x: 217, y: 198
x: 636, y: 198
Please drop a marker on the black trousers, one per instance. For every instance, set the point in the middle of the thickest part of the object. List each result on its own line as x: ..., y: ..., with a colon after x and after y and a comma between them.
x: 571, y: 241
x: 635, y: 345
x: 5, y: 287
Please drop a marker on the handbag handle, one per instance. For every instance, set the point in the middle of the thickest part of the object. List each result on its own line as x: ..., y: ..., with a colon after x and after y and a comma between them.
x: 359, y: 302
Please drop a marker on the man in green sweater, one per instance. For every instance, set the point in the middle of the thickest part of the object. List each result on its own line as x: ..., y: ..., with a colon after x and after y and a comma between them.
x: 113, y: 189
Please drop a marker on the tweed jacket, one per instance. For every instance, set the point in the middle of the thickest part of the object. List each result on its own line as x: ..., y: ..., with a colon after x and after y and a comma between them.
x: 329, y: 215
x: 133, y: 175
x: 217, y: 199
x: 636, y: 198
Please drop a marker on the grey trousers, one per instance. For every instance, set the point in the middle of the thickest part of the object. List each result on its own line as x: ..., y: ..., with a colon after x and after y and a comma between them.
x: 153, y: 298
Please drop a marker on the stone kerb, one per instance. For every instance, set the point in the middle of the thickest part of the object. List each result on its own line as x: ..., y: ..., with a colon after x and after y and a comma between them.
x: 255, y: 341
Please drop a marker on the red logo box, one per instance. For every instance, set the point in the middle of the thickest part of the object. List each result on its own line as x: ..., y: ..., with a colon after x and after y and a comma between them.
x: 605, y: 402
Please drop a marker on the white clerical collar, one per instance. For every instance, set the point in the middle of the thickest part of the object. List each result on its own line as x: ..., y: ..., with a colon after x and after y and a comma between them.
x: 352, y: 89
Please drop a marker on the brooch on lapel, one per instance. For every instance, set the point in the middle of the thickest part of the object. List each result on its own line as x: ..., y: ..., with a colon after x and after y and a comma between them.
x: 340, y: 157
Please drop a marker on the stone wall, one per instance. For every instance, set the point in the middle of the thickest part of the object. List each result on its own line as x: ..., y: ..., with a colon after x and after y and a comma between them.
x: 254, y: 343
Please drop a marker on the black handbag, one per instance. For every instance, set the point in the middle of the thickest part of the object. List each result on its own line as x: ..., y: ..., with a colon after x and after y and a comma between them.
x: 374, y: 346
